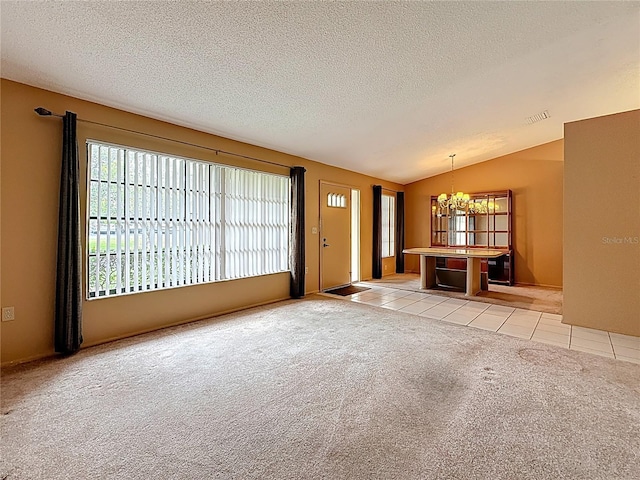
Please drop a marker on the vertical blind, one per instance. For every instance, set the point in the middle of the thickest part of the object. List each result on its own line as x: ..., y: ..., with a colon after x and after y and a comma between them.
x: 158, y: 221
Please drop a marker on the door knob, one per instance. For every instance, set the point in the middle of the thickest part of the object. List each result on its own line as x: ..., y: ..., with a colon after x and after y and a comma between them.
x: 324, y: 242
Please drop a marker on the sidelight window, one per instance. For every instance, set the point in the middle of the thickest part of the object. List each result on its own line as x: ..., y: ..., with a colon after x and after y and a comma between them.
x: 388, y: 225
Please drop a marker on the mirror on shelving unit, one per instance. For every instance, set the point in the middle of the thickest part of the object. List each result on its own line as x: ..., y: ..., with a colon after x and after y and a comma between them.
x: 485, y: 222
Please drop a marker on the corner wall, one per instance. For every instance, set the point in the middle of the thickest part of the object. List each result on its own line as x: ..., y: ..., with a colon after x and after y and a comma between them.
x: 602, y: 223
x: 30, y: 154
x: 534, y: 176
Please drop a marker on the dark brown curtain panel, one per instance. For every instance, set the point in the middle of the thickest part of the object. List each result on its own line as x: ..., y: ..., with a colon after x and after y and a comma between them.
x: 68, y: 313
x: 377, y: 232
x: 399, y: 232
x: 297, y: 254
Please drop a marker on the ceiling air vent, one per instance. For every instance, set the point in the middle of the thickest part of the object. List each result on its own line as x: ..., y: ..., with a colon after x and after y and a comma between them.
x: 538, y: 117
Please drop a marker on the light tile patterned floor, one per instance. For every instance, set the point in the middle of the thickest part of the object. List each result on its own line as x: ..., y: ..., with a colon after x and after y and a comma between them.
x: 516, y: 322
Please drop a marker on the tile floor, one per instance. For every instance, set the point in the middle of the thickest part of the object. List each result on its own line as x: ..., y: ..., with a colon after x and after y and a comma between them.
x: 526, y: 324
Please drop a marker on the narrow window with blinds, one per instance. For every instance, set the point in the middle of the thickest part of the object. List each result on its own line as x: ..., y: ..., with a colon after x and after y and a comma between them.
x: 157, y: 221
x: 388, y: 225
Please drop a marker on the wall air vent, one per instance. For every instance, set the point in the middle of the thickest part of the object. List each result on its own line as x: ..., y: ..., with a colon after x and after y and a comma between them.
x: 538, y: 117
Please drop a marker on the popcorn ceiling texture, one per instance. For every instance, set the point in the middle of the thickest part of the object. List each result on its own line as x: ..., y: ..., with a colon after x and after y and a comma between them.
x: 362, y: 85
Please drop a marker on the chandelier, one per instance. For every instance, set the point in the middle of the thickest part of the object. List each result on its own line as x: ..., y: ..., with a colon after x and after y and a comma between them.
x: 478, y: 206
x: 482, y: 206
x: 456, y: 201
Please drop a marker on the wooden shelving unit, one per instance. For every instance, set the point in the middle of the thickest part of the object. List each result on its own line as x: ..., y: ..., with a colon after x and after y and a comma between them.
x: 485, y: 223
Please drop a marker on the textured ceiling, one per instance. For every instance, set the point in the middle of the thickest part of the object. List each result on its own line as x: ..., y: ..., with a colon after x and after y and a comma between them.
x: 384, y: 88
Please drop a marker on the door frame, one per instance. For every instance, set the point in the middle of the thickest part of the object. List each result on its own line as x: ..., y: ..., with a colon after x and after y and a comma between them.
x: 320, y: 231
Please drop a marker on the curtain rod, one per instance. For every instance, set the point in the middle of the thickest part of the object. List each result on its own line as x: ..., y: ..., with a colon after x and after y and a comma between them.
x: 43, y: 112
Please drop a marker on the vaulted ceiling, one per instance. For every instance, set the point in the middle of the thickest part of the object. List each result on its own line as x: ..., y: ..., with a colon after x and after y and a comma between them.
x: 388, y: 89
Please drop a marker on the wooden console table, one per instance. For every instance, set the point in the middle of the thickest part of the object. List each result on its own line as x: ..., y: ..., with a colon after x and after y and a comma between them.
x: 473, y: 255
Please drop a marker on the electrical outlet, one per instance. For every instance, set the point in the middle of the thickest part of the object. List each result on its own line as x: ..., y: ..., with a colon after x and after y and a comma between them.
x: 314, y: 230
x: 8, y: 314
x: 306, y: 269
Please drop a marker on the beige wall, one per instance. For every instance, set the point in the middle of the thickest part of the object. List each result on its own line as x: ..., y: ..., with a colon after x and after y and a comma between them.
x: 535, y: 178
x: 602, y: 223
x: 30, y: 164
x: 388, y: 266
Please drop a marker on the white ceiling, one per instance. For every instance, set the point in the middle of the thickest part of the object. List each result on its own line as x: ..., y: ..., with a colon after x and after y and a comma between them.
x: 389, y: 89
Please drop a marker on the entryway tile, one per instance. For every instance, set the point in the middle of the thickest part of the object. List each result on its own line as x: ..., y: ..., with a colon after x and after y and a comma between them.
x: 417, y: 307
x: 417, y: 296
x: 529, y: 321
x: 377, y: 301
x: 461, y: 317
x: 552, y: 338
x: 441, y: 310
x: 487, y: 321
x: 455, y: 301
x: 554, y: 327
x: 514, y: 330
x: 397, y: 294
x: 626, y: 341
x: 590, y: 334
x: 579, y: 342
x: 500, y: 310
x: 432, y: 299
x: 628, y: 359
x: 592, y: 351
x: 619, y: 351
x: 365, y: 295
x: 398, y: 303
x: 475, y: 307
x: 552, y: 316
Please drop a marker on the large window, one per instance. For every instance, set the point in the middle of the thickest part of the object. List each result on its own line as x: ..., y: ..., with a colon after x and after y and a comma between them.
x: 158, y: 221
x: 388, y: 225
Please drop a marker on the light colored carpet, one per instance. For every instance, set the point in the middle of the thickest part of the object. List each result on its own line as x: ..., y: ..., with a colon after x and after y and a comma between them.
x: 322, y: 388
x: 541, y: 299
